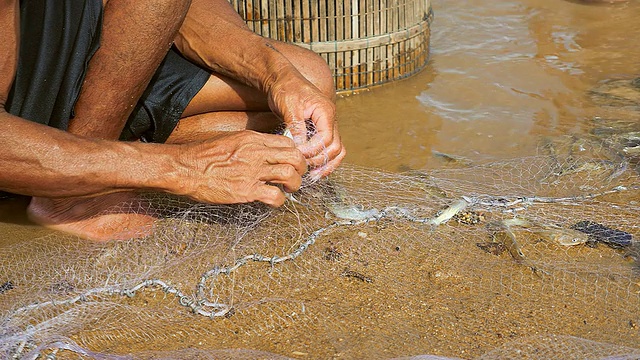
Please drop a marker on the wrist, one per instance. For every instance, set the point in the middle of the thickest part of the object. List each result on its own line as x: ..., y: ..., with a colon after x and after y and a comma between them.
x: 276, y: 66
x: 152, y: 167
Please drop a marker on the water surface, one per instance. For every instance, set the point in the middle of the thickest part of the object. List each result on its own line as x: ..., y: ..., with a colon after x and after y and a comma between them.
x: 501, y: 75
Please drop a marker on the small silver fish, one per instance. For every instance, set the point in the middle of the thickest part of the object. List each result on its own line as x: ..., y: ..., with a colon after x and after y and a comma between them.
x: 289, y: 196
x: 337, y: 204
x: 454, y: 159
x: 426, y: 183
x: 449, y: 212
x: 562, y: 236
x: 351, y: 212
x: 631, y: 150
x: 589, y: 166
x: 501, y: 232
x: 555, y: 234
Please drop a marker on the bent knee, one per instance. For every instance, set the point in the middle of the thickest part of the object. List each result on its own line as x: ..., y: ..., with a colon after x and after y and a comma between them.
x: 317, y: 71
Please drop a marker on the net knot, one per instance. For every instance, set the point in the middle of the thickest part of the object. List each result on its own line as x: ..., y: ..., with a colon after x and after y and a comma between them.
x: 185, y: 300
x: 196, y: 306
x: 274, y: 260
x: 215, y: 271
x: 241, y: 262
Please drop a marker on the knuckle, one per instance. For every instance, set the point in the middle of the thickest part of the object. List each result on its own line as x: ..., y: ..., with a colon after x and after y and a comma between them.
x: 275, y: 197
x: 250, y: 136
x: 245, y: 193
x: 288, y: 142
x: 280, y: 140
x: 289, y: 172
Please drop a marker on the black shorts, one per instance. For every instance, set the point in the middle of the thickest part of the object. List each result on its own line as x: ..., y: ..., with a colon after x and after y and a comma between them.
x: 57, y: 40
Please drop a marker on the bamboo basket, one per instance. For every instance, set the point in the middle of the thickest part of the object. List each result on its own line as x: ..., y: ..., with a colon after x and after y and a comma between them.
x: 365, y: 42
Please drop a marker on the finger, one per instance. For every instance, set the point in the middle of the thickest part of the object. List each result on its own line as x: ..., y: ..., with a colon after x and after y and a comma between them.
x: 298, y: 130
x: 315, y: 146
x: 324, y: 136
x: 325, y: 156
x: 270, y: 195
x: 294, y: 118
x: 276, y: 141
x: 326, y: 169
x: 288, y: 156
x: 283, y: 174
x: 328, y: 154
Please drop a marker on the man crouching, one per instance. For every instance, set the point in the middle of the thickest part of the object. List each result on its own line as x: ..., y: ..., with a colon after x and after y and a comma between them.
x: 101, y: 99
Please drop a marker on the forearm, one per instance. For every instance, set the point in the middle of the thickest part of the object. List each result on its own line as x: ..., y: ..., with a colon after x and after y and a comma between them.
x: 214, y: 36
x: 42, y: 161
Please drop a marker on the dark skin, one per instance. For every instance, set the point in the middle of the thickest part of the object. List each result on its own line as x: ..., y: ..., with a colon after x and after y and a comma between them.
x: 213, y: 156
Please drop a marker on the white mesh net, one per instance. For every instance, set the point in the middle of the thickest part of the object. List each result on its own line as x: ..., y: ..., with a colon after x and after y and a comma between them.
x: 486, y: 261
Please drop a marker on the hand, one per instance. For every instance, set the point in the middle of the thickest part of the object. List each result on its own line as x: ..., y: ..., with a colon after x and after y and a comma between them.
x: 241, y: 167
x: 296, y: 100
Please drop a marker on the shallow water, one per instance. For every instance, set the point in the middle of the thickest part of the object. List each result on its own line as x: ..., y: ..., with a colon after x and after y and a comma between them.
x: 501, y: 75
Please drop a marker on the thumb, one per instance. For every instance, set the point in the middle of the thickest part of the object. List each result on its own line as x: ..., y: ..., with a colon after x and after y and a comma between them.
x: 298, y: 130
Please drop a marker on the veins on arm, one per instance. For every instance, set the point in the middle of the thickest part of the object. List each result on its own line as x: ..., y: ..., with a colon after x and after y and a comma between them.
x: 39, y: 160
x: 214, y: 36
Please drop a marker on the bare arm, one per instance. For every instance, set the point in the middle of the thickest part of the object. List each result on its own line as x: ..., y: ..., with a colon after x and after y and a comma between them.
x: 37, y: 160
x: 214, y: 36
x: 42, y: 161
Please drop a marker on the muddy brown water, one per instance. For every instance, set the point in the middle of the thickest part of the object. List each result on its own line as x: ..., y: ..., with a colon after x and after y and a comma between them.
x: 502, y: 75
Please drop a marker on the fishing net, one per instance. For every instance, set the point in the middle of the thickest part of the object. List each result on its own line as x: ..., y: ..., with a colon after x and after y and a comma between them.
x: 534, y: 257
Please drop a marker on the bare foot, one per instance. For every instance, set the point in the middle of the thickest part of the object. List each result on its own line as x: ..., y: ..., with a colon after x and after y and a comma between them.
x: 116, y: 216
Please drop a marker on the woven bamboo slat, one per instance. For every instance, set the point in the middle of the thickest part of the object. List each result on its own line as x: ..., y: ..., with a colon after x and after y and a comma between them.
x: 365, y: 42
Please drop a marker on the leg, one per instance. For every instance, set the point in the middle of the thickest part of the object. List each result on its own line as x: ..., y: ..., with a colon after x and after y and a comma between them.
x: 221, y: 105
x: 116, y: 77
x: 121, y: 69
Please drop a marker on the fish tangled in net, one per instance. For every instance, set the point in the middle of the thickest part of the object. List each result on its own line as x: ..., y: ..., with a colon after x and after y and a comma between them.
x: 366, y: 264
